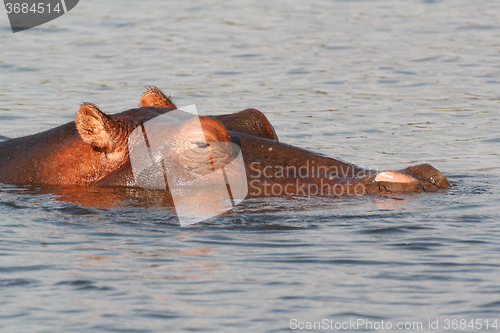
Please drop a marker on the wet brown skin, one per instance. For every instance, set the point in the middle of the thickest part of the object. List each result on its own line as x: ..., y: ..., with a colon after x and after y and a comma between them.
x: 93, y: 152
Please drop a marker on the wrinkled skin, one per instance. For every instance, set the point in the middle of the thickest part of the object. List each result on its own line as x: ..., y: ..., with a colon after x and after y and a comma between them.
x: 93, y: 151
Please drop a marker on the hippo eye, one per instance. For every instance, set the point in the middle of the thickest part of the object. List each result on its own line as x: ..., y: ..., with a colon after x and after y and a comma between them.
x: 201, y: 145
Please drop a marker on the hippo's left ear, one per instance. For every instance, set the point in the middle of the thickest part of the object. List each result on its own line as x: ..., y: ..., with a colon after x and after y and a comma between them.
x: 99, y: 130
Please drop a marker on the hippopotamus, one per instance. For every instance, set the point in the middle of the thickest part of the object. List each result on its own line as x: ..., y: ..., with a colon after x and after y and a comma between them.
x: 93, y: 150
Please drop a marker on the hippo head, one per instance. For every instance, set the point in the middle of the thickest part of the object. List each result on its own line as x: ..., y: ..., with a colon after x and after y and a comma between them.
x: 191, y: 149
x: 99, y: 150
x: 158, y: 148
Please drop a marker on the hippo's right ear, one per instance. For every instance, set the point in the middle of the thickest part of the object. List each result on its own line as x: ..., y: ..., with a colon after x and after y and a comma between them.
x: 154, y: 97
x: 98, y: 129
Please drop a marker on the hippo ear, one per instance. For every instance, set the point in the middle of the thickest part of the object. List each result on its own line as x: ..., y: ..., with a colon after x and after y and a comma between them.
x: 98, y: 129
x: 154, y: 97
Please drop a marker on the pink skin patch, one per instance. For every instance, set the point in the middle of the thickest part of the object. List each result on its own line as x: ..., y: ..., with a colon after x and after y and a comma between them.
x: 393, y: 177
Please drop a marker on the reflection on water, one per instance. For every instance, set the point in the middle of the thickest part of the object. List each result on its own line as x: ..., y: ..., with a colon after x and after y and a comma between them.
x: 381, y: 84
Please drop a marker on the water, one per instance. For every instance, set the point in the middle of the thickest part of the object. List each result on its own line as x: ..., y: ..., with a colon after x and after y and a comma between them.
x: 382, y: 84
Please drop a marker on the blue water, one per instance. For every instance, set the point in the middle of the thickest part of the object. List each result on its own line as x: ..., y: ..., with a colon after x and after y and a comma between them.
x: 382, y: 84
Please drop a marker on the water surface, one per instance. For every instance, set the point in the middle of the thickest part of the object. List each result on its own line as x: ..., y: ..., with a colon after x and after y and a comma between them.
x: 382, y: 84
